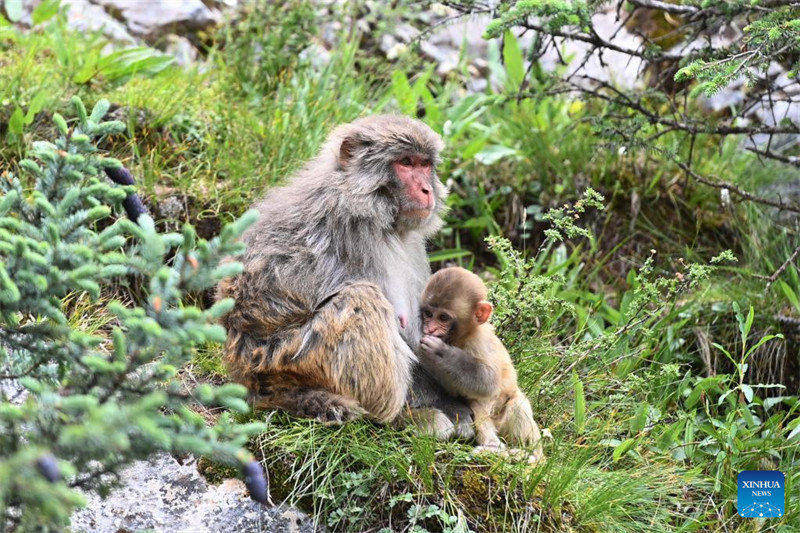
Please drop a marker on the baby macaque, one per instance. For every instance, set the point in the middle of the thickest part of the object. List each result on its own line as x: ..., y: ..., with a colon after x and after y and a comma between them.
x: 460, y: 349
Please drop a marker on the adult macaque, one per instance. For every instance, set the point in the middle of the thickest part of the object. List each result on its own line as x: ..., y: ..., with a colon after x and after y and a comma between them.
x: 460, y: 349
x: 325, y: 322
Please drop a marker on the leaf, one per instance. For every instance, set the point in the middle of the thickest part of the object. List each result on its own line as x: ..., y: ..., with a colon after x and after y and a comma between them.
x: 36, y: 105
x: 790, y: 294
x: 446, y: 255
x: 87, y: 70
x: 748, y: 392
x: 403, y: 93
x: 639, y: 419
x: 771, y: 402
x: 16, y: 122
x: 14, y: 10
x: 580, y: 403
x: 796, y: 431
x: 701, y: 386
x: 622, y: 449
x: 45, y: 11
x: 494, y: 153
x: 512, y: 59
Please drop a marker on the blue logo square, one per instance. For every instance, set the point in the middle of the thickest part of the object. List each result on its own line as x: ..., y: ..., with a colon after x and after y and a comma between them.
x: 761, y: 493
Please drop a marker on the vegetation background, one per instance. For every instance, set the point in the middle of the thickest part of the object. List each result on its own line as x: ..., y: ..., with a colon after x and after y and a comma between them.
x: 643, y: 273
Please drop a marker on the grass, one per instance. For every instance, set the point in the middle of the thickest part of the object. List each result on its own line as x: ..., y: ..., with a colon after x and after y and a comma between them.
x: 603, y: 332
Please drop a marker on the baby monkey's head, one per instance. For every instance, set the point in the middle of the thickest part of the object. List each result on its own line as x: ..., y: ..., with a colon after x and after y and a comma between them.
x: 454, y: 305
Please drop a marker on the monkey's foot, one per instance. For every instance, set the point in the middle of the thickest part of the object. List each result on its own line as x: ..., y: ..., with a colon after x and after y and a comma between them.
x: 532, y: 457
x: 492, y: 447
x: 338, y: 412
x: 464, y: 430
x: 328, y: 408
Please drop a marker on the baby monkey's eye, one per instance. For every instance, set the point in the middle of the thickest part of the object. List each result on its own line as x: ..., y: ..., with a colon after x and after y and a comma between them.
x: 444, y: 318
x: 426, y: 313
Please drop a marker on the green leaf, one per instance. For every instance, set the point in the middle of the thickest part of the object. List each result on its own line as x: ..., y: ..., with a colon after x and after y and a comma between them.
x: 580, y: 403
x: 790, y: 294
x: 795, y: 431
x: 747, y: 390
x: 403, y: 93
x: 447, y: 255
x: 87, y: 70
x: 640, y: 419
x: 494, y: 153
x: 16, y: 122
x: 45, y: 11
x: 36, y: 105
x: 622, y: 449
x: 14, y: 10
x: 512, y: 58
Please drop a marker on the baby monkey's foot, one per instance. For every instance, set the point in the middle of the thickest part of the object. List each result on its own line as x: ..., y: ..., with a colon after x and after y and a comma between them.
x: 491, y: 447
x: 532, y: 457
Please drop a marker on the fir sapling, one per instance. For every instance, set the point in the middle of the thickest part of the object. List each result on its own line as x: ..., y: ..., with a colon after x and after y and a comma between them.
x: 78, y: 404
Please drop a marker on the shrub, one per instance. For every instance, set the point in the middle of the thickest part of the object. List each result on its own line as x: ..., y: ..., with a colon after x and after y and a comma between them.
x: 86, y: 389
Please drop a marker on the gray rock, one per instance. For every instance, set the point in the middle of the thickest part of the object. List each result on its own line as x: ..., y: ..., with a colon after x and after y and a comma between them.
x: 86, y: 16
x: 446, y: 58
x: 316, y: 55
x: 181, y: 49
x: 406, y: 32
x: 152, y: 19
x: 165, y: 496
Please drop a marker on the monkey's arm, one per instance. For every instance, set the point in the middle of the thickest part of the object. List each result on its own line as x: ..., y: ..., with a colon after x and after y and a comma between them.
x: 458, y: 371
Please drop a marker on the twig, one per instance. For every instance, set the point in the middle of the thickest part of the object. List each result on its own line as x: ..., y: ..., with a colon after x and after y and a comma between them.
x: 775, y: 275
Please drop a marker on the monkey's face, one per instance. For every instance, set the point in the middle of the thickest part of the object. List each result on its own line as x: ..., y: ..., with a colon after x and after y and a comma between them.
x: 437, y: 322
x: 414, y: 174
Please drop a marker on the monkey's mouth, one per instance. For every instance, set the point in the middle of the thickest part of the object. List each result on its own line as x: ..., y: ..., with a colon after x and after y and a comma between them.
x: 417, y: 212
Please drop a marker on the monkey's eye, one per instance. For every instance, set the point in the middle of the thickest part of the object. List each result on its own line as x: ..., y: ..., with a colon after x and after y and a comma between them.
x: 406, y: 161
x: 426, y: 313
x: 444, y: 318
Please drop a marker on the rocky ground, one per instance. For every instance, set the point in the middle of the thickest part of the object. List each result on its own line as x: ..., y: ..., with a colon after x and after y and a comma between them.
x: 164, y: 495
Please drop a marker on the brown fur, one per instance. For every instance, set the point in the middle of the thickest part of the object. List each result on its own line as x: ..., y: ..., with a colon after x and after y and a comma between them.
x: 330, y: 266
x: 471, y: 361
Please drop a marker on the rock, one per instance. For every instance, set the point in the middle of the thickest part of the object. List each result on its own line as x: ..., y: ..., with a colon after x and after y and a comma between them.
x: 387, y: 42
x: 406, y: 32
x: 88, y: 17
x: 165, y: 496
x: 171, y: 207
x: 152, y: 19
x: 446, y: 58
x: 181, y: 49
x: 85, y: 16
x: 316, y: 55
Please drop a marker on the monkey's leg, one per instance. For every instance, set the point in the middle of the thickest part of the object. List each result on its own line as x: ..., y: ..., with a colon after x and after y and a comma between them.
x: 519, y: 428
x: 431, y: 421
x: 428, y: 402
x: 349, y: 360
x: 485, y: 430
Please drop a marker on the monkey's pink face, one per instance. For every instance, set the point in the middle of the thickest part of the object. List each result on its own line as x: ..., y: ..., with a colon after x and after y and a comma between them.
x: 415, y: 172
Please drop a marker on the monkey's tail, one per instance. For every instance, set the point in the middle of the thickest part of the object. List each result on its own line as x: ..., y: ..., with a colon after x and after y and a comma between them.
x: 134, y: 207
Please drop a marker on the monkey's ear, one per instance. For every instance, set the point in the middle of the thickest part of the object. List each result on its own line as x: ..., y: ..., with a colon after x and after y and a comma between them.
x: 483, y: 310
x: 349, y: 147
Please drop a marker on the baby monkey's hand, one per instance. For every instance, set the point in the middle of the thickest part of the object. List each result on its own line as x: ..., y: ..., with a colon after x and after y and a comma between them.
x: 433, y: 346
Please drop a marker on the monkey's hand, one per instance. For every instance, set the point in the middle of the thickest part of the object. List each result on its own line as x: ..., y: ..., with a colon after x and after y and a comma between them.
x: 432, y: 346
